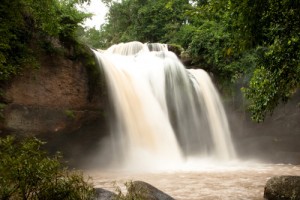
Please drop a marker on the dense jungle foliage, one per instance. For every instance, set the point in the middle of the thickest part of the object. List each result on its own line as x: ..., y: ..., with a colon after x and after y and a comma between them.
x: 257, y: 41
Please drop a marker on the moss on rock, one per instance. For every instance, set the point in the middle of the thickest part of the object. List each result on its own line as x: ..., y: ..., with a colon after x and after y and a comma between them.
x: 283, y: 188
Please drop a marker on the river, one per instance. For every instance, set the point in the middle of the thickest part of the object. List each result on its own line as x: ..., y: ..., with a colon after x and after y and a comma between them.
x: 235, y: 182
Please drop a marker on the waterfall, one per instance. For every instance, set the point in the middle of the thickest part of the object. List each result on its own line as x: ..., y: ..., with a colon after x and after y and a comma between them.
x: 163, y: 113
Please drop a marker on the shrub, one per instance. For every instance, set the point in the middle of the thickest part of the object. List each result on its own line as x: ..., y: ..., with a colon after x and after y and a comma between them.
x: 27, y: 172
x: 133, y: 192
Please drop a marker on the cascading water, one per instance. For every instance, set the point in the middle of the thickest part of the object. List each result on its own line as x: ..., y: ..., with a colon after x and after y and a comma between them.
x: 164, y: 113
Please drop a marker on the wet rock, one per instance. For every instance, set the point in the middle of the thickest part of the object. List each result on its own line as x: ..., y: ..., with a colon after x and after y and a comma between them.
x: 102, y: 194
x: 177, y: 49
x: 282, y: 188
x: 150, y: 192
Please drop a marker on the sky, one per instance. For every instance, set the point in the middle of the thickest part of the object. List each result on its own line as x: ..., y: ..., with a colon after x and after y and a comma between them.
x: 98, y: 9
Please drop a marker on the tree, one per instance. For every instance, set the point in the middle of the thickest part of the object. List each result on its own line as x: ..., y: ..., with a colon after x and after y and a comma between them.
x: 91, y: 37
x: 277, y: 76
x: 143, y: 20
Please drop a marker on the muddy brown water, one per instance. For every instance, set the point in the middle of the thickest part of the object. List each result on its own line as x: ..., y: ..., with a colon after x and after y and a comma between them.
x: 220, y: 183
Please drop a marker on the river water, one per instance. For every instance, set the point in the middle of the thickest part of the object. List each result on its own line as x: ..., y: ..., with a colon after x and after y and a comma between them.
x: 233, y: 182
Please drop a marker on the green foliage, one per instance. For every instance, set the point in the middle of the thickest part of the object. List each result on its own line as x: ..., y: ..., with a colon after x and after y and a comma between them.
x: 184, y: 35
x: 121, y: 16
x: 177, y: 49
x: 13, y: 33
x: 278, y: 74
x: 212, y: 48
x: 69, y: 19
x: 91, y: 37
x: 96, y: 80
x: 275, y: 80
x: 27, y: 172
x: 143, y: 20
x: 250, y: 38
x: 134, y: 192
x: 262, y: 91
x: 70, y: 114
x: 25, y: 22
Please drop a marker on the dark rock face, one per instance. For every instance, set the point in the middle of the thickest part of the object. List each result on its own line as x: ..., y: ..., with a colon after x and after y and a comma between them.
x: 275, y: 140
x: 283, y: 188
x: 151, y: 192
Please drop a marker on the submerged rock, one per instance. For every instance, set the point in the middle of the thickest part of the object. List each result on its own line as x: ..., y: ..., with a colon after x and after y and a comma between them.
x: 282, y: 188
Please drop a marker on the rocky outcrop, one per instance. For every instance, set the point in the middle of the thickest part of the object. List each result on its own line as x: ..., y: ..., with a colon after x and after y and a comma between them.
x: 102, y: 194
x: 62, y: 102
x: 135, y: 190
x: 56, y: 97
x: 182, y: 55
x: 274, y: 140
x: 283, y: 188
x: 150, y: 192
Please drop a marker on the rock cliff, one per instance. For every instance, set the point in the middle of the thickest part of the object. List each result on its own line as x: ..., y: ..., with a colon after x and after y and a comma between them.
x: 59, y: 101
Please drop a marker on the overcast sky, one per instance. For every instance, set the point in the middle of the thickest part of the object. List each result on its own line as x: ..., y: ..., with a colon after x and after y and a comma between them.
x: 98, y: 9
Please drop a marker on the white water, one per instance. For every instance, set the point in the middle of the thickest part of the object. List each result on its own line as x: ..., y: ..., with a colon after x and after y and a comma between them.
x: 215, y: 113
x: 164, y: 114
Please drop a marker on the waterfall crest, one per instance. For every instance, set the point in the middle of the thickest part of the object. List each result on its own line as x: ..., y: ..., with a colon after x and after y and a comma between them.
x: 163, y: 113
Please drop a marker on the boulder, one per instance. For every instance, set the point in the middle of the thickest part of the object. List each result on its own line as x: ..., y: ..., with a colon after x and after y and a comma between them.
x: 149, y: 192
x: 283, y: 188
x: 102, y: 194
